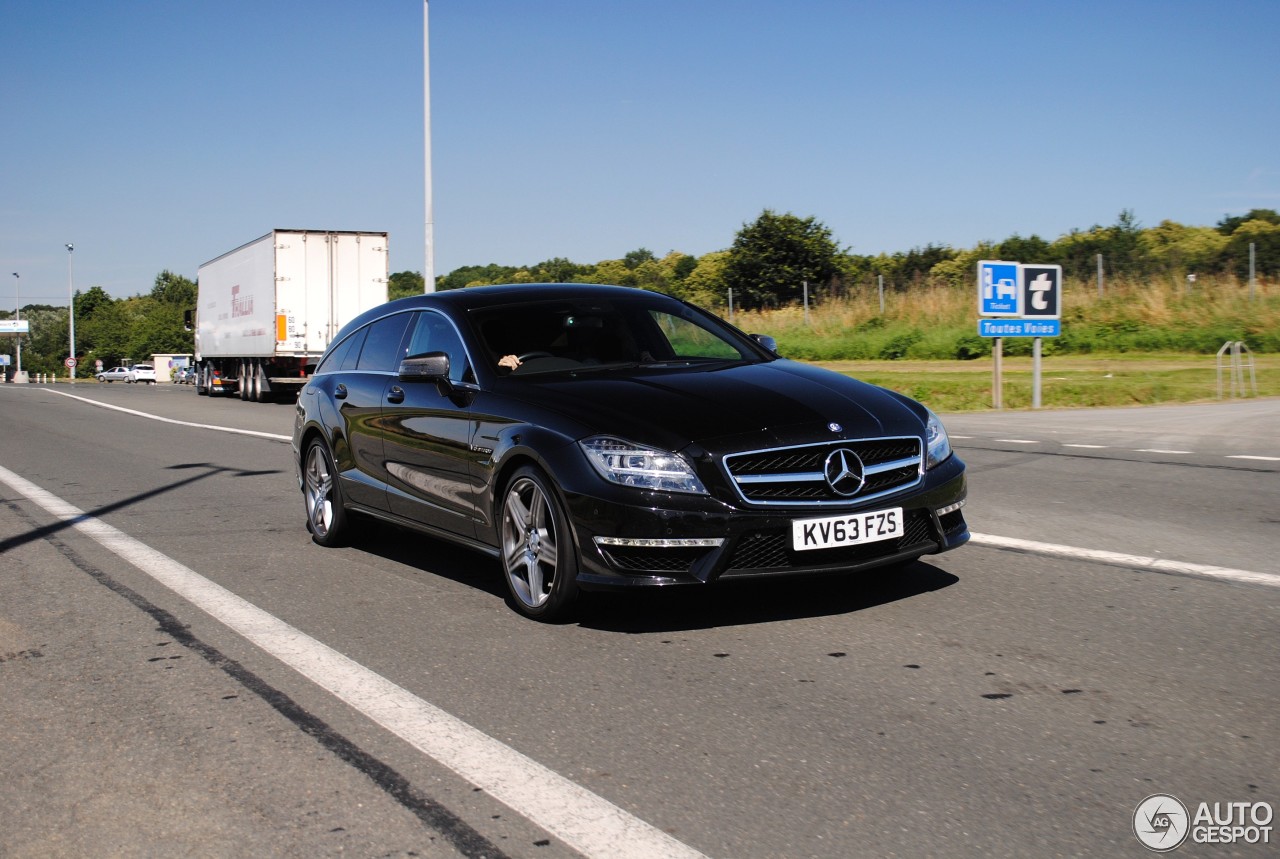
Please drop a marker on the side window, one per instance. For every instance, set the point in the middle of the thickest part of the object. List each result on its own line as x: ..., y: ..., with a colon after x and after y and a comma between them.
x: 334, y: 360
x: 434, y: 333
x: 382, y: 348
x: 353, y: 354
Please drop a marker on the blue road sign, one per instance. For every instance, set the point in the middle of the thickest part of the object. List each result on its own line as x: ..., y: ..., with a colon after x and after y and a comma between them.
x: 1019, y: 327
x: 999, y: 288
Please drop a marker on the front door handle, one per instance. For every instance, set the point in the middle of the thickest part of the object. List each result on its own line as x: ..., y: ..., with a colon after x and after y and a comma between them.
x: 395, y: 395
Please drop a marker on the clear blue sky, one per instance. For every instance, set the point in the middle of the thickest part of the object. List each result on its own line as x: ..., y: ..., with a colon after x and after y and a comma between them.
x: 158, y: 135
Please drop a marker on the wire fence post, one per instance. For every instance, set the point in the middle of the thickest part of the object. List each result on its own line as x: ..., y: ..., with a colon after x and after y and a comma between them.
x: 1253, y: 268
x: 1099, y: 275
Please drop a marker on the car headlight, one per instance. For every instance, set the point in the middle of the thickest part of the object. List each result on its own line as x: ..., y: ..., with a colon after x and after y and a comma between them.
x: 937, y: 444
x: 630, y: 464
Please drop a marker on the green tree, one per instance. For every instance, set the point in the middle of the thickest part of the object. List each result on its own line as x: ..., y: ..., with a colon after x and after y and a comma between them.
x: 1230, y: 223
x: 107, y: 333
x: 402, y: 284
x: 1265, y: 237
x: 1031, y: 249
x: 556, y: 270
x: 634, y: 259
x: 773, y: 256
x: 1177, y: 249
x: 477, y: 275
x: 90, y: 302
x: 705, y: 285
x: 173, y: 289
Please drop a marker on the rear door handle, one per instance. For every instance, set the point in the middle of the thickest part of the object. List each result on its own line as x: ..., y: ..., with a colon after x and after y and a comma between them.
x: 395, y: 395
x: 340, y: 392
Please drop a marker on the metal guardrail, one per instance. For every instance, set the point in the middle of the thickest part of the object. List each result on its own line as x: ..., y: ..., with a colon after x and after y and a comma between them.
x: 1235, y: 365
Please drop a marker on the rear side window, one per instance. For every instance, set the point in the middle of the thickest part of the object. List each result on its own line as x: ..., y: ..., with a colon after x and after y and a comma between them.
x: 336, y: 360
x: 382, y: 348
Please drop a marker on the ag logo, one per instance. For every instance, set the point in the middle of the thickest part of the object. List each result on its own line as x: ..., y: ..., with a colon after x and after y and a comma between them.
x: 843, y: 470
x: 1161, y: 822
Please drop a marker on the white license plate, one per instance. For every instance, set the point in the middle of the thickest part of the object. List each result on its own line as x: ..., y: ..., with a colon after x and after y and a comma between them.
x: 851, y: 529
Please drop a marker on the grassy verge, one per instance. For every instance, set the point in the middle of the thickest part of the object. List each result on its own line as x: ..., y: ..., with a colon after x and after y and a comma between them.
x: 1066, y: 381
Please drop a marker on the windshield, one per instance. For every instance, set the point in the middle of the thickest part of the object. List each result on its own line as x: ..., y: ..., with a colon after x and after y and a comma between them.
x: 560, y: 336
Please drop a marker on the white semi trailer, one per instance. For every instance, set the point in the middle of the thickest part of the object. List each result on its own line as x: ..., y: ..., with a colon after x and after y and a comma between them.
x: 266, y: 311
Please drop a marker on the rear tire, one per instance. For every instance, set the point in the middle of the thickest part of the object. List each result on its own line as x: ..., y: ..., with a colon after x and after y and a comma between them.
x: 327, y: 518
x: 538, y: 557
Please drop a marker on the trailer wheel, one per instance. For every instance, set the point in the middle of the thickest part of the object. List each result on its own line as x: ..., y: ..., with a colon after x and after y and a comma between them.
x: 326, y: 512
x: 241, y: 388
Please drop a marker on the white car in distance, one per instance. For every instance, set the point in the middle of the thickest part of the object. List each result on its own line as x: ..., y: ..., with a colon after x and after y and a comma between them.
x: 142, y: 373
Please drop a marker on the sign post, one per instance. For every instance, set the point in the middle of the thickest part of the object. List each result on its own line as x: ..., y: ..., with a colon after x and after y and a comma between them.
x: 1032, y: 295
x: 999, y: 294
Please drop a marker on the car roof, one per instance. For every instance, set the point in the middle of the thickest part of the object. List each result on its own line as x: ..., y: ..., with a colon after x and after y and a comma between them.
x: 472, y: 297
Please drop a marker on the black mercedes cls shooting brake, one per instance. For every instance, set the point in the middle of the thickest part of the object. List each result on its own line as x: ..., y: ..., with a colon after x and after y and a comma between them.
x: 606, y: 437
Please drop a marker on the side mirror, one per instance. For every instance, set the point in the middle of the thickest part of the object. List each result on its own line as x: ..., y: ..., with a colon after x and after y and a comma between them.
x: 766, y: 341
x: 430, y: 367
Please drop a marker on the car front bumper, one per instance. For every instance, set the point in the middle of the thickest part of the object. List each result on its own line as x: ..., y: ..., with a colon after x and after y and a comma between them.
x: 623, y: 544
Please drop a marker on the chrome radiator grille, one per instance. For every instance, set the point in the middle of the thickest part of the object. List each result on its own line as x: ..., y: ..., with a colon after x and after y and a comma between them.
x: 798, y: 475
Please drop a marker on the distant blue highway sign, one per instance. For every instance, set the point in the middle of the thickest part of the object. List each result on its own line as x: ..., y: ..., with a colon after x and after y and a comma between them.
x: 999, y: 288
x: 1019, y: 327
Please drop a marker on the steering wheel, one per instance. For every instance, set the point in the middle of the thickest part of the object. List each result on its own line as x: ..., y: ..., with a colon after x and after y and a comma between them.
x: 527, y: 355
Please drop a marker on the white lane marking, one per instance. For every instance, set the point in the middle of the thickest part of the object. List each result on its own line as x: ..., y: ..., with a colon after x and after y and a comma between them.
x: 170, y: 420
x: 1158, y: 450
x: 1089, y: 446
x: 1263, y: 458
x: 586, y: 822
x: 1018, y: 440
x: 1123, y: 560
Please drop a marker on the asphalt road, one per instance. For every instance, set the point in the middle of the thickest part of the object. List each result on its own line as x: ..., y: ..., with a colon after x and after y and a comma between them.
x: 986, y: 702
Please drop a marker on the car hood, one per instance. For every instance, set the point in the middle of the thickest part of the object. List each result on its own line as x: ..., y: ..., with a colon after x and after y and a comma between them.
x: 779, y: 402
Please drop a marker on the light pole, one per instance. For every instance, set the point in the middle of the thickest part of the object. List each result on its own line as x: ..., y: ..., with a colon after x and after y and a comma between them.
x: 429, y: 266
x: 17, y: 315
x: 71, y: 312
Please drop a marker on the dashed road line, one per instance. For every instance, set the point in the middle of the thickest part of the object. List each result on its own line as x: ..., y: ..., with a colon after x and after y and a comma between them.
x: 1118, y: 559
x: 1083, y: 446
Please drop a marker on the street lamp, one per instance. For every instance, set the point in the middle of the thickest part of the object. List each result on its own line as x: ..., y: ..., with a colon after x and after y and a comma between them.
x: 17, y: 315
x: 71, y: 313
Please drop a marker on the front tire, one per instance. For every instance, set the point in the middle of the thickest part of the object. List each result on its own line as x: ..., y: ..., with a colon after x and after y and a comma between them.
x: 538, y: 556
x: 327, y: 518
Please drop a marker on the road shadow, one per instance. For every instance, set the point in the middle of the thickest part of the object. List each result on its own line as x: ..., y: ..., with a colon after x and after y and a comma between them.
x: 738, y: 603
x: 430, y: 556
x: 669, y: 609
x: 204, y: 470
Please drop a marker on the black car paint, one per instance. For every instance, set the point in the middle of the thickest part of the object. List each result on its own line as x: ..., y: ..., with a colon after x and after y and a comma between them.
x: 436, y: 456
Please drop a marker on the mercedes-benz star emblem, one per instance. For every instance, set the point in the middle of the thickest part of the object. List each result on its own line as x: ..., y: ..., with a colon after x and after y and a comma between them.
x: 843, y: 470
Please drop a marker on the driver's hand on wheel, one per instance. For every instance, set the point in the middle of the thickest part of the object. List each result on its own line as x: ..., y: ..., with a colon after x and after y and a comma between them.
x: 511, y: 362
